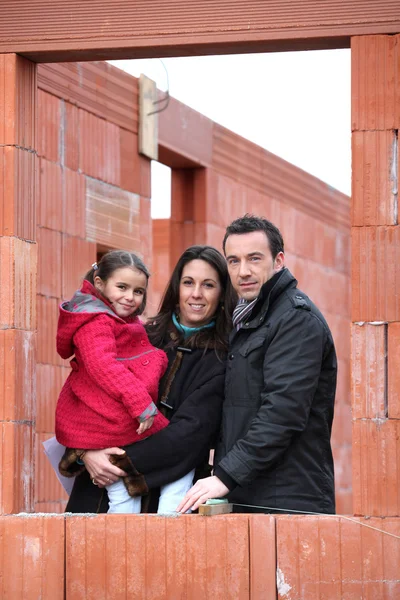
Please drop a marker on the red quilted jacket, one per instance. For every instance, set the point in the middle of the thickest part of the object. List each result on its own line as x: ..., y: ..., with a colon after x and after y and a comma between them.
x: 114, y: 378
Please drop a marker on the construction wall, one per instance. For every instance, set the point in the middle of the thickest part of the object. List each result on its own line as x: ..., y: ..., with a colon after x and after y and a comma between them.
x: 94, y: 194
x: 239, y: 556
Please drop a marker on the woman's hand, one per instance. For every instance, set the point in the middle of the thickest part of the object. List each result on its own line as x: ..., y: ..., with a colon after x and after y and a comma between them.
x: 99, y: 467
x: 145, y: 425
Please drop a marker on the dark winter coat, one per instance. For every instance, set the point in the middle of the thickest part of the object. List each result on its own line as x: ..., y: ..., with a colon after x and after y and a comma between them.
x: 195, y: 397
x: 279, y: 397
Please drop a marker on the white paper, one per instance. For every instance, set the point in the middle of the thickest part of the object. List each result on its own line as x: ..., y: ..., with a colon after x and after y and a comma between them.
x: 54, y: 452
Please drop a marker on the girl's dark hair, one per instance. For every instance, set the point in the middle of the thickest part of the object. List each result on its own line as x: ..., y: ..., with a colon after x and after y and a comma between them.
x: 159, y: 327
x: 118, y: 259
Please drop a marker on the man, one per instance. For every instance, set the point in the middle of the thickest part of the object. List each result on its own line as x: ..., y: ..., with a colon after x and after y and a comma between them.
x: 274, y: 451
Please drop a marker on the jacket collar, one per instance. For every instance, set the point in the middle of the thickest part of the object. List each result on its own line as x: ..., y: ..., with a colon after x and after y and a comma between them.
x: 269, y: 292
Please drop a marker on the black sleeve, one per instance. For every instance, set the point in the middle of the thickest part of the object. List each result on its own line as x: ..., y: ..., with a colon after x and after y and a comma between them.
x: 185, y: 442
x: 292, y: 367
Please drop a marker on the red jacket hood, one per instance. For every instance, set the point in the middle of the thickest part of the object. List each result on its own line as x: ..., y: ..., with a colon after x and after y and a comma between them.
x: 85, y: 304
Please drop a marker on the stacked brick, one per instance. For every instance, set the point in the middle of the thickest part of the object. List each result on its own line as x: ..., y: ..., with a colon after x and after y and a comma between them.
x: 253, y: 557
x: 18, y: 253
x: 375, y: 275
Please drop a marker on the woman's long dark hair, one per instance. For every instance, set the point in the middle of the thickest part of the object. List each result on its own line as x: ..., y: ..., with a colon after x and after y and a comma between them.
x: 160, y: 326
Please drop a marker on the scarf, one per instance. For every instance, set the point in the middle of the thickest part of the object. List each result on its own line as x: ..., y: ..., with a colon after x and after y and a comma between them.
x: 187, y: 331
x: 241, y: 311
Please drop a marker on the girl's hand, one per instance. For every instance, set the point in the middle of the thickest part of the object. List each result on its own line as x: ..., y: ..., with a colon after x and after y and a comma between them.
x: 99, y: 467
x: 145, y: 425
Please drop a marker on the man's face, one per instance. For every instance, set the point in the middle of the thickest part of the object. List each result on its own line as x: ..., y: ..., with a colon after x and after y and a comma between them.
x: 250, y: 262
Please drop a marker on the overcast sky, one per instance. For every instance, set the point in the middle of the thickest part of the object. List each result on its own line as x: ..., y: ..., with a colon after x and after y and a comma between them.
x: 294, y: 104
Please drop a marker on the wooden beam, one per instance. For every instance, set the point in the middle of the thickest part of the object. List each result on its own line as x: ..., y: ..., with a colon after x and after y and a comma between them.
x: 55, y: 30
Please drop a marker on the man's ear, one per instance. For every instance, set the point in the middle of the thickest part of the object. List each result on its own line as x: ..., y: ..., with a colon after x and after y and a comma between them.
x: 279, y: 261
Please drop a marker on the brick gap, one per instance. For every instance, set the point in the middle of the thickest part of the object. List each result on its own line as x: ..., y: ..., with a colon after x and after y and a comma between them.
x: 386, y: 371
x: 395, y: 176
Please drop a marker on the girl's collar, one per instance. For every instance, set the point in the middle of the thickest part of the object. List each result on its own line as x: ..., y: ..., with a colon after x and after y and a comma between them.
x: 187, y: 331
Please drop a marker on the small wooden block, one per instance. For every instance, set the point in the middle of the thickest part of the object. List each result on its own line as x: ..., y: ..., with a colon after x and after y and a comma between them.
x: 210, y: 510
x: 148, y: 118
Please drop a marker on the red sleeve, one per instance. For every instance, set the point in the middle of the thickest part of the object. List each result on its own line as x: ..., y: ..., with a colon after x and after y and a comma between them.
x: 95, y: 342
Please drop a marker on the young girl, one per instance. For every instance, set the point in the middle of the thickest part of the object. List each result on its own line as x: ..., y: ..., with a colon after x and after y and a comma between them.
x: 109, y: 397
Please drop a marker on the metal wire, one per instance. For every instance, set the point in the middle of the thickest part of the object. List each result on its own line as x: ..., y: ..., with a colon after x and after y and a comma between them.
x: 306, y: 512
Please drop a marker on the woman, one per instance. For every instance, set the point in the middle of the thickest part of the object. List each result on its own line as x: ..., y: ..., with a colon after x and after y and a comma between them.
x: 192, y: 327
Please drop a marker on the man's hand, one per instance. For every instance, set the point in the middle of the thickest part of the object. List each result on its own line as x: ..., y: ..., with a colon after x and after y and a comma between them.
x: 99, y: 466
x: 203, y: 490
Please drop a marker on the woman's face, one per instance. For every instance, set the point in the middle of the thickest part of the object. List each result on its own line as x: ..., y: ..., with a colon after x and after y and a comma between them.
x: 199, y: 293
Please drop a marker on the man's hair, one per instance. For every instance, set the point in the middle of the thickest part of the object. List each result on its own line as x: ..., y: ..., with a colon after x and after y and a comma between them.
x: 250, y: 223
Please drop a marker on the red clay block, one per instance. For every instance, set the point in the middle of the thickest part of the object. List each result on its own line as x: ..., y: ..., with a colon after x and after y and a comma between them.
x: 369, y: 370
x: 375, y: 89
x: 130, y: 162
x: 186, y: 133
x: 262, y: 555
x: 329, y: 558
x: 344, y: 502
x: 17, y: 192
x: 71, y: 136
x: 49, y: 381
x: 176, y: 549
x: 146, y: 232
x: 74, y: 203
x: 393, y: 359
x: 136, y: 565
x: 49, y: 263
x: 374, y: 181
x: 18, y: 283
x: 236, y: 534
x: 49, y: 205
x: 104, y: 163
x: 375, y: 276
x: 16, y: 459
x: 231, y: 199
x: 17, y: 102
x: 157, y: 557
x: 145, y: 176
x: 112, y: 216
x: 77, y: 257
x: 32, y: 557
x: 376, y: 467
x: 342, y: 460
x: 50, y: 507
x: 47, y: 309
x: 47, y: 486
x: 196, y: 550
x: 17, y: 385
x: 49, y: 124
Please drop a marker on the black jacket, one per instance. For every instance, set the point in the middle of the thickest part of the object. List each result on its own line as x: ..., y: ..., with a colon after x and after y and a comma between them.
x: 196, y: 396
x: 279, y: 396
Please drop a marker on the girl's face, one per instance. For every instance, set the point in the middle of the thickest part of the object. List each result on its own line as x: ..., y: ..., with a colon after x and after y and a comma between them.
x: 124, y: 289
x: 199, y: 293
